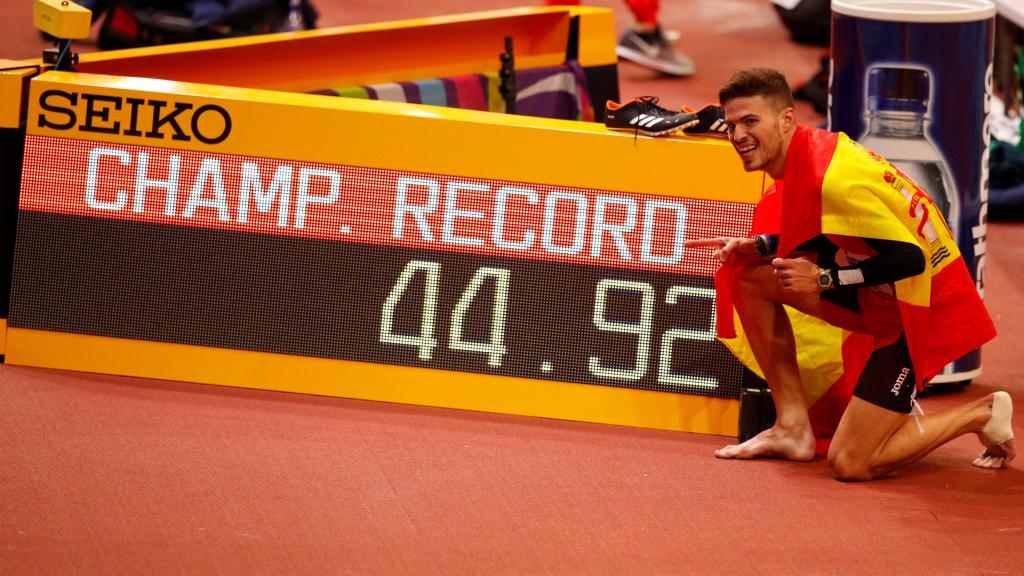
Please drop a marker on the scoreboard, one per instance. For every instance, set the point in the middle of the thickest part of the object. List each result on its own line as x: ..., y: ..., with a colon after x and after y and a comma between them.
x: 373, y: 250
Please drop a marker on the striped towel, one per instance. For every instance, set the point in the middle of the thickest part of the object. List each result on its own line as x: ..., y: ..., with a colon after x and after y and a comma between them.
x: 553, y: 92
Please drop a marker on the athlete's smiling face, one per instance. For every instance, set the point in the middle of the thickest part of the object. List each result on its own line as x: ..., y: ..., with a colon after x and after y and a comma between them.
x: 759, y: 131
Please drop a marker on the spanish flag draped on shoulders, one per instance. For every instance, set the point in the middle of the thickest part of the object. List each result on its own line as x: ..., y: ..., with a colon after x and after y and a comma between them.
x: 832, y: 186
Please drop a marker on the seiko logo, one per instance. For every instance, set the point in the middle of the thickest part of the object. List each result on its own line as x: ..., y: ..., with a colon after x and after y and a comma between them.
x: 209, y: 123
x: 899, y: 382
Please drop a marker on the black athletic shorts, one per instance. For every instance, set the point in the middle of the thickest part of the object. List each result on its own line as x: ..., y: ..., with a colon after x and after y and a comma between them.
x: 888, y: 378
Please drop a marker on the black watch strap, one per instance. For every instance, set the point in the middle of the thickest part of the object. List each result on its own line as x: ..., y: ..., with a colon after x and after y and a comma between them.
x: 766, y: 244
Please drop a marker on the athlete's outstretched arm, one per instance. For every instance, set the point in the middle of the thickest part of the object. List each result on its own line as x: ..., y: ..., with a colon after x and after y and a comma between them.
x: 726, y: 246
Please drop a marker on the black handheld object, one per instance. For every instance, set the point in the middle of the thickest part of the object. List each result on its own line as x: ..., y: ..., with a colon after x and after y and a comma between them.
x: 757, y: 412
x: 757, y: 408
x: 61, y: 56
x: 507, y: 88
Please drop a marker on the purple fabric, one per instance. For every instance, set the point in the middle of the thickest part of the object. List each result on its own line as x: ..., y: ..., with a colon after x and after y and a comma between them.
x: 554, y: 103
x: 449, y: 90
x: 552, y: 92
x: 206, y: 12
x: 412, y: 92
x: 549, y: 105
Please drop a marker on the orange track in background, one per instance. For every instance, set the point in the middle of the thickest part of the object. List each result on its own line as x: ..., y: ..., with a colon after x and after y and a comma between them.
x: 116, y: 475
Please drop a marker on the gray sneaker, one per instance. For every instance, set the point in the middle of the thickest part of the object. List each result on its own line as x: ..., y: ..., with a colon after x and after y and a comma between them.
x: 658, y: 53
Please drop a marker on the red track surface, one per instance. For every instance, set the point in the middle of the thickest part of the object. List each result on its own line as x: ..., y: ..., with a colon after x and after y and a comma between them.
x: 115, y: 475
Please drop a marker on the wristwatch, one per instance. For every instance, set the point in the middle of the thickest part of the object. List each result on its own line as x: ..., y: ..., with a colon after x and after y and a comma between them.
x: 825, y: 279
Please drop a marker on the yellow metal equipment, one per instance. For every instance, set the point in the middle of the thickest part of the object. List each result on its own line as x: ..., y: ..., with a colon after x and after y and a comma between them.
x: 62, y: 19
x: 159, y: 211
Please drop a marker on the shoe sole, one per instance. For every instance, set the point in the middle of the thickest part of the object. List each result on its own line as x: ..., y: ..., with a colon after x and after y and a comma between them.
x: 644, y: 60
x: 704, y: 130
x: 648, y: 132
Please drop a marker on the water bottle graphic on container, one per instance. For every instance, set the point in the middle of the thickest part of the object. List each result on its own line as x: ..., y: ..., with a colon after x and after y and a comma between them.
x: 897, y: 119
x: 912, y: 81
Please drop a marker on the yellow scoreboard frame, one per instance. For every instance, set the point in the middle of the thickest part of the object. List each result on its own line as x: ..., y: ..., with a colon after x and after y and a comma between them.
x: 97, y: 110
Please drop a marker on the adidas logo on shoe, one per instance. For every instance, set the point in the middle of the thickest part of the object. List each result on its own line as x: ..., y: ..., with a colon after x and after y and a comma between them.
x: 643, y: 115
x: 710, y: 120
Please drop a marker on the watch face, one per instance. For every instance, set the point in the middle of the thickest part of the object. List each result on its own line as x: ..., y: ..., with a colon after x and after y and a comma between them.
x: 824, y: 279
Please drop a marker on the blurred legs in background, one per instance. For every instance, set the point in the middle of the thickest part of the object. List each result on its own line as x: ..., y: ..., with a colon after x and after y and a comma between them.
x: 646, y: 43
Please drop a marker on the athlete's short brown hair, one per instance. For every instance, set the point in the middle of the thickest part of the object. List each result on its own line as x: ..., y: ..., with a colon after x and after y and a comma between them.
x: 765, y: 82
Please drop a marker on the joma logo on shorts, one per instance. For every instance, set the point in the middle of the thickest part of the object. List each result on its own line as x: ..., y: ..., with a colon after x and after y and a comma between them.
x: 899, y: 382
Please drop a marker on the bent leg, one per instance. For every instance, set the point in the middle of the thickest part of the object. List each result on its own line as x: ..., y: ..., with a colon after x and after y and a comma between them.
x: 872, y: 441
x: 759, y: 303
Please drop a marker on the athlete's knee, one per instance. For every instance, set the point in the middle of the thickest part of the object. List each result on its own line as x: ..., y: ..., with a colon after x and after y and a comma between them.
x: 751, y: 278
x: 847, y: 467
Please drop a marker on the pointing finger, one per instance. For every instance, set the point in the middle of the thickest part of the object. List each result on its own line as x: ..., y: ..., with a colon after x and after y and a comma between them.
x: 704, y: 243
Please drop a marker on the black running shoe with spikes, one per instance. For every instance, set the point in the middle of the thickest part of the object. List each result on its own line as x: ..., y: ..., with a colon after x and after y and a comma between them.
x: 643, y: 115
x: 710, y: 120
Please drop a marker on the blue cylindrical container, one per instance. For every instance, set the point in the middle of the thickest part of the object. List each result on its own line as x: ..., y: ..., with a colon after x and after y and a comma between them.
x: 912, y: 81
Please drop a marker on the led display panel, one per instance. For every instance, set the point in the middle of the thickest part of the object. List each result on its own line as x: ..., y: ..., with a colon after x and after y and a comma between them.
x: 486, y: 276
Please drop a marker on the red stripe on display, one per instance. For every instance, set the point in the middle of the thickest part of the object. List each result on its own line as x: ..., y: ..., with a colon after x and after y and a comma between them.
x: 374, y: 206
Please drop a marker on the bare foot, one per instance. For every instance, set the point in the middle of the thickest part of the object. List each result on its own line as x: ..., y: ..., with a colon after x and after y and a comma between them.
x: 773, y: 443
x: 996, y: 456
x: 997, y: 435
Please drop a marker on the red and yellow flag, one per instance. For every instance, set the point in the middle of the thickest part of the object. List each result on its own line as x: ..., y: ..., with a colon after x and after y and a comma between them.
x: 834, y: 186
